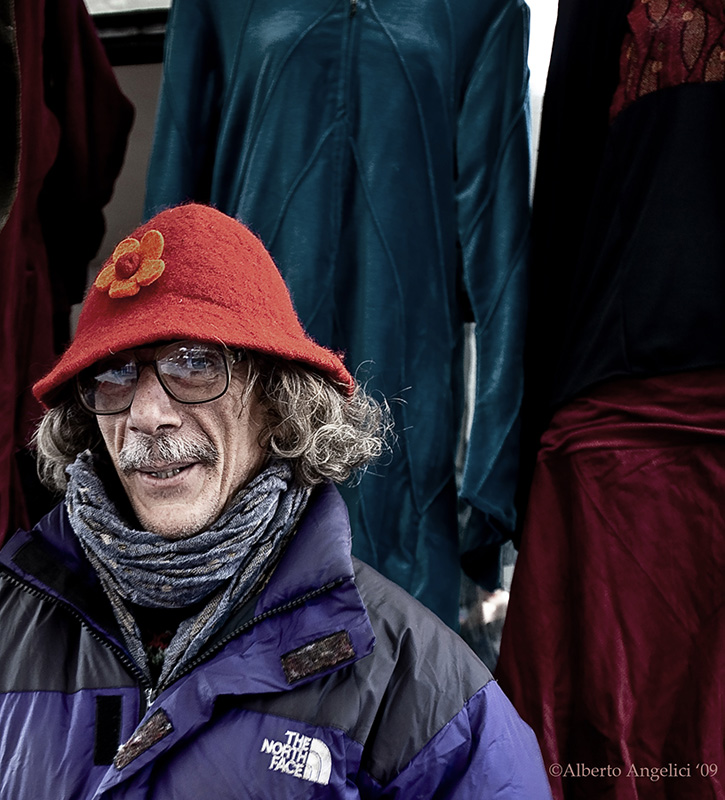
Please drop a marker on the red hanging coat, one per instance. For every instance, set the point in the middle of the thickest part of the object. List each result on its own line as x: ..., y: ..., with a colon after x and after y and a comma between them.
x: 63, y: 140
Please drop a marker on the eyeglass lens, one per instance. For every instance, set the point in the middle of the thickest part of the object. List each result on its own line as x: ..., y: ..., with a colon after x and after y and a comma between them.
x: 190, y: 372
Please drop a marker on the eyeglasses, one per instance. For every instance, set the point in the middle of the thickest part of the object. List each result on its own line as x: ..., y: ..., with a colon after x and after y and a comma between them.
x: 190, y: 372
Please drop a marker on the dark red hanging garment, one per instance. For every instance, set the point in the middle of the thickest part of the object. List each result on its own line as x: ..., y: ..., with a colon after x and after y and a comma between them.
x: 615, y: 635
x: 63, y: 142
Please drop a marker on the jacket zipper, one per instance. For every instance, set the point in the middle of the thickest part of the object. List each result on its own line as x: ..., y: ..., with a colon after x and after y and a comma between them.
x: 148, y: 692
x: 212, y: 651
x: 126, y: 661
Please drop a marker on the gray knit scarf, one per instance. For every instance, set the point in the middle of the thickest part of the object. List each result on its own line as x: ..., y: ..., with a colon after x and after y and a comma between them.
x: 226, y: 563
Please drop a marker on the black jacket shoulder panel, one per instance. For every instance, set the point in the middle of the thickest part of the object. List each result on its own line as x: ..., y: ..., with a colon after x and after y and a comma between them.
x: 45, y: 648
x: 432, y: 673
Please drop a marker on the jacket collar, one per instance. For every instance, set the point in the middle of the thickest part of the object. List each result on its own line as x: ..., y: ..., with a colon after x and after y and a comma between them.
x: 317, y: 564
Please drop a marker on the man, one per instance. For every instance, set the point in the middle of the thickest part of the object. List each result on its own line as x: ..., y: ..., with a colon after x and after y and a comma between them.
x: 189, y: 623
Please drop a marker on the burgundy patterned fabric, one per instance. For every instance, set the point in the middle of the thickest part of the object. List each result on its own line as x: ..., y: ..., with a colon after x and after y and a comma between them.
x: 670, y: 42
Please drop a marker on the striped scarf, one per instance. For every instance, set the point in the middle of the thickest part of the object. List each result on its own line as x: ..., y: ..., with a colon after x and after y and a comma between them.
x: 225, y: 564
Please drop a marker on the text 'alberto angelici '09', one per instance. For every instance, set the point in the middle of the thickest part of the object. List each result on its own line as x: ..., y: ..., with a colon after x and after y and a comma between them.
x: 671, y: 770
x: 300, y: 756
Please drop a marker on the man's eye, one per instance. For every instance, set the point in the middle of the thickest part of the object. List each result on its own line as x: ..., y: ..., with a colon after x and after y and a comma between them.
x: 193, y: 361
x: 118, y: 375
x: 199, y: 361
x: 191, y: 365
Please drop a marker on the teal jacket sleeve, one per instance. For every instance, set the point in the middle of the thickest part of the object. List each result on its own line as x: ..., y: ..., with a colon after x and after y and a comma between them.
x: 494, y: 214
x: 188, y: 110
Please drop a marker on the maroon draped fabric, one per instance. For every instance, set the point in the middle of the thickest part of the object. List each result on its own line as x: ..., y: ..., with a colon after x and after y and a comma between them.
x: 614, y: 644
x: 73, y: 126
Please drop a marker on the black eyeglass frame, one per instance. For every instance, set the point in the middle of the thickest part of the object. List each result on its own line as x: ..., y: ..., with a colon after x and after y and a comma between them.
x: 231, y: 357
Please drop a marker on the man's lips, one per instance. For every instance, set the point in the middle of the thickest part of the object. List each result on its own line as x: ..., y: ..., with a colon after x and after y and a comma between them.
x: 165, y: 471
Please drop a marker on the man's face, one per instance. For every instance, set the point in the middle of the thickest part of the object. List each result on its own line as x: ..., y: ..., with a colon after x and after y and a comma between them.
x: 197, y: 456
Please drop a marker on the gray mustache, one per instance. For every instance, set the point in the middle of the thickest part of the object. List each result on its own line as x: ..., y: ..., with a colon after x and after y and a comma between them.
x: 147, y: 452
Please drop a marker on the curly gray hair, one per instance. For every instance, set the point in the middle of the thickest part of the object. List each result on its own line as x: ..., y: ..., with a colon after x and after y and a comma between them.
x: 325, y: 435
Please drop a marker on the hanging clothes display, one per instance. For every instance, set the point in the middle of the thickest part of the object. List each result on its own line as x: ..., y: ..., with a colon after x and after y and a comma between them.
x: 64, y: 132
x: 380, y: 151
x: 613, y: 642
x: 612, y: 647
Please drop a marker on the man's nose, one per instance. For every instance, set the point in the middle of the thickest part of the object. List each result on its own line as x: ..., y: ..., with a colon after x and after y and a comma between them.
x: 152, y: 408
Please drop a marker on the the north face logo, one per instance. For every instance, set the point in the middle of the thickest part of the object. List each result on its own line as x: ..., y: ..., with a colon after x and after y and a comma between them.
x: 300, y: 756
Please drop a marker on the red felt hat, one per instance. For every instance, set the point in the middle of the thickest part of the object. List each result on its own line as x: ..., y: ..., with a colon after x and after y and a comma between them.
x: 191, y: 272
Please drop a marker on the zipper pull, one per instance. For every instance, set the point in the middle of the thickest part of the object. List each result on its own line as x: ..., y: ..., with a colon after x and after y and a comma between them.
x: 149, y: 697
x: 353, y: 7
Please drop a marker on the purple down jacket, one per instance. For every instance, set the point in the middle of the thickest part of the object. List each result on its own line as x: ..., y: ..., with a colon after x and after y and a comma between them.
x: 332, y: 683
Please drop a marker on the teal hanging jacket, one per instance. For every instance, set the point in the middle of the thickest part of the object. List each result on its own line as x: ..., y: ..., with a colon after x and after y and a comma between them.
x: 380, y: 150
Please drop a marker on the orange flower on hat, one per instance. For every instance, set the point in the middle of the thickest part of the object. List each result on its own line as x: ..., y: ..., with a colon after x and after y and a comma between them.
x: 133, y: 264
